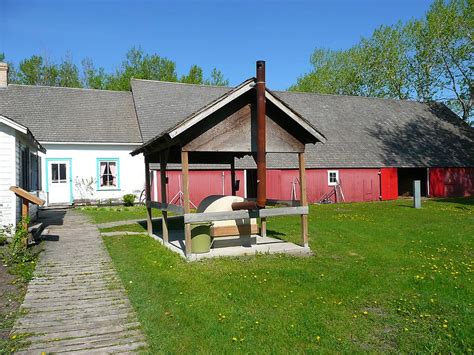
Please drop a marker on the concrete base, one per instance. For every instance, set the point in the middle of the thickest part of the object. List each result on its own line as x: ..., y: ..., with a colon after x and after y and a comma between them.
x: 231, y: 247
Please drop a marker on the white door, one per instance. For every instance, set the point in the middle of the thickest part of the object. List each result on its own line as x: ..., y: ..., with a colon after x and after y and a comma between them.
x: 59, y: 181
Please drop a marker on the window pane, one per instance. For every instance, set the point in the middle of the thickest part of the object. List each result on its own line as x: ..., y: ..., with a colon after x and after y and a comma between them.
x: 62, y: 171
x: 108, y: 173
x: 54, y: 173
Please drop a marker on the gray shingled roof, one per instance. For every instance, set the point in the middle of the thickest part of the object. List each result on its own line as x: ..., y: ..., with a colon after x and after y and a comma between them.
x: 72, y: 115
x: 361, y: 132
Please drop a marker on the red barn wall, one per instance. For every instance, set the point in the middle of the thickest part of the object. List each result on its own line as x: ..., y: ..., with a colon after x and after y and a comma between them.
x: 357, y: 184
x: 451, y: 182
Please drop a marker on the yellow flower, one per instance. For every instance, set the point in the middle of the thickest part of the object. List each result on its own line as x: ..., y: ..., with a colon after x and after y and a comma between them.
x: 318, y: 338
x: 365, y: 313
x: 445, y: 326
x: 13, y: 336
x: 234, y: 339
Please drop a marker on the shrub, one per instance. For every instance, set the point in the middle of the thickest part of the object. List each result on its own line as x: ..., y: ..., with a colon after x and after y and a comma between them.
x: 17, y: 251
x: 129, y: 199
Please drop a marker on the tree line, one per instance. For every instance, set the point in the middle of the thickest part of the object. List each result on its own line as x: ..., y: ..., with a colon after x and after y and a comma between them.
x: 40, y: 70
x: 427, y: 59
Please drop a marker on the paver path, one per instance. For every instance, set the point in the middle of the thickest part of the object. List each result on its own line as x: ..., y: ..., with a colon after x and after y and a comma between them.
x: 75, y: 301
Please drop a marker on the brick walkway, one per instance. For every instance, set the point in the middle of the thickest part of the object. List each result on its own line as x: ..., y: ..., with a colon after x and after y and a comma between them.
x: 76, y: 302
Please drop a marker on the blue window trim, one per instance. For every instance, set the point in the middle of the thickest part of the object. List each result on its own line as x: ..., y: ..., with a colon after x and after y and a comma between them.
x: 98, y: 161
x: 47, y: 161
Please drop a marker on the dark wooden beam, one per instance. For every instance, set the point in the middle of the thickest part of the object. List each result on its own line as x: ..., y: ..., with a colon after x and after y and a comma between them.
x: 149, y: 224
x: 164, y: 219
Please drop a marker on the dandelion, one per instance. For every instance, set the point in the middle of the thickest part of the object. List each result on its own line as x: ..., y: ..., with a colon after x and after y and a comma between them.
x: 365, y: 313
x: 405, y: 329
x: 318, y: 338
x: 13, y: 337
x: 234, y: 339
x: 445, y: 326
x: 130, y: 282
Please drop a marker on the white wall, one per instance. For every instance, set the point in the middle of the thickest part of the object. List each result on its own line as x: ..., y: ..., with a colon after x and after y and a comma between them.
x: 7, y: 175
x: 84, y: 165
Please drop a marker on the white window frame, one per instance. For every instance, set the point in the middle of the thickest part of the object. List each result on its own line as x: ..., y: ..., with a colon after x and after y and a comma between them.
x: 333, y: 183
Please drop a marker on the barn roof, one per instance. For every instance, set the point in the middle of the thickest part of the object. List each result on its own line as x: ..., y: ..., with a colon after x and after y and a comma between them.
x: 56, y: 114
x: 360, y: 131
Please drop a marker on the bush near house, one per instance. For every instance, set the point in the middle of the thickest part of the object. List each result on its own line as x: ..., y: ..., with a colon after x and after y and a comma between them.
x: 129, y: 200
x: 385, y: 278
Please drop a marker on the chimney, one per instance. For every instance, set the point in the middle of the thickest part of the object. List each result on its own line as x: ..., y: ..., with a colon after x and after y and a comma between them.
x: 3, y: 75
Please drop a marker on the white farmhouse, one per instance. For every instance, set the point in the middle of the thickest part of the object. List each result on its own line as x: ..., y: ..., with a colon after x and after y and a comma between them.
x: 85, y: 137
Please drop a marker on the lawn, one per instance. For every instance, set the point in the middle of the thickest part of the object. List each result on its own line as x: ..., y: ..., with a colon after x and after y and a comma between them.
x: 385, y: 278
x: 105, y: 214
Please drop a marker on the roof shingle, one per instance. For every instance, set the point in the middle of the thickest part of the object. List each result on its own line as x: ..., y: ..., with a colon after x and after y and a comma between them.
x: 56, y: 114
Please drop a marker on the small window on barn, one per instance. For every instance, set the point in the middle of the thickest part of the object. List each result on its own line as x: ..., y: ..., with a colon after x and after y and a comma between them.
x: 333, y: 177
x: 108, y: 174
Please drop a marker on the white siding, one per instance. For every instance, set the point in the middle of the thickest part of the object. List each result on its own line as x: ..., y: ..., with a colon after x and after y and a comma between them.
x: 7, y: 175
x: 84, y: 165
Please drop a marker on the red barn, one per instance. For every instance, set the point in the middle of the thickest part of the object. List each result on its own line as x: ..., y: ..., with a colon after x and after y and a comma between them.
x: 375, y: 147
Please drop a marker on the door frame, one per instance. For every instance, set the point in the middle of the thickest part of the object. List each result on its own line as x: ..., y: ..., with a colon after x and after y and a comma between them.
x: 69, y: 160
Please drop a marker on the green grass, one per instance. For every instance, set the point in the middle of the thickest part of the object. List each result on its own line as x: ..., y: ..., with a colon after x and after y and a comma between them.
x: 385, y: 278
x: 116, y: 213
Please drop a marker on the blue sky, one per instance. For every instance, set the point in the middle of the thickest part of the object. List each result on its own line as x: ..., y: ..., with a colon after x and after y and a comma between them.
x: 227, y: 34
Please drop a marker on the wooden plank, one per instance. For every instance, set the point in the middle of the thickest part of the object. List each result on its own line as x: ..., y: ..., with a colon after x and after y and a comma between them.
x: 187, y: 227
x: 149, y: 224
x: 242, y: 229
x: 234, y: 133
x: 304, y: 201
x: 164, y: 220
x: 283, y: 211
x: 166, y: 207
x: 243, y: 214
x: 27, y: 196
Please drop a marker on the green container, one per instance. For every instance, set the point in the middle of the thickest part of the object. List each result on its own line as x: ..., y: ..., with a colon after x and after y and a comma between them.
x: 201, y: 238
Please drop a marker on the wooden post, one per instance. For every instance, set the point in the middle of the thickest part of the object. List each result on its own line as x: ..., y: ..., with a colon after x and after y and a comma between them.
x: 232, y: 177
x: 187, y: 226
x: 304, y: 202
x: 263, y: 227
x: 149, y: 222
x: 164, y: 219
x: 25, y: 211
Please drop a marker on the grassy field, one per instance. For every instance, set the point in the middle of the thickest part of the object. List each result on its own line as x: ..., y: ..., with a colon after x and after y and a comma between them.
x: 116, y: 213
x: 385, y: 278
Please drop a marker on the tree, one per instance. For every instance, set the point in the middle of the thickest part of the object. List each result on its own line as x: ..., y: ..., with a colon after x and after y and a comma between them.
x: 139, y: 65
x: 93, y: 78
x: 68, y: 74
x: 429, y: 59
x: 195, y: 76
x: 217, y: 78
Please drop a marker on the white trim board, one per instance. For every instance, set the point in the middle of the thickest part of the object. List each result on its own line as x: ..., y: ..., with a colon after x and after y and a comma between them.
x: 90, y: 143
x: 16, y: 126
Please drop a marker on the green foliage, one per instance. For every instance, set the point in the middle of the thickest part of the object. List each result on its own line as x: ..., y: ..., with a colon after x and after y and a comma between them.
x: 426, y: 59
x: 129, y: 200
x: 2, y: 57
x: 17, y: 251
x: 140, y: 65
x: 38, y: 70
x: 194, y: 76
x: 386, y: 278
x: 217, y: 78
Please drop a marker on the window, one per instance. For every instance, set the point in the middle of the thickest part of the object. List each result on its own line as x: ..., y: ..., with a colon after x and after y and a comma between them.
x: 58, y: 173
x: 333, y: 177
x: 25, y: 168
x: 108, y: 174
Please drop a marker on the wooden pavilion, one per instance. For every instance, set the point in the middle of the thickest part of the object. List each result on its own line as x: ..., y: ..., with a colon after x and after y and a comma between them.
x: 248, y: 120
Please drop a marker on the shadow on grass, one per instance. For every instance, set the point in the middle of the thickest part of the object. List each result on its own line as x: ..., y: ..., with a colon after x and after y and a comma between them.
x: 459, y: 200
